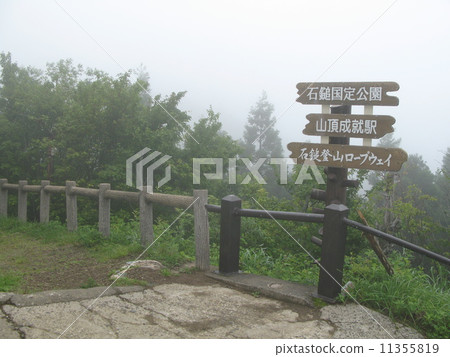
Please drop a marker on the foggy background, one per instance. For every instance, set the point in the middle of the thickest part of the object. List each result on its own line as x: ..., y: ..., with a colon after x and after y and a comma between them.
x: 224, y: 54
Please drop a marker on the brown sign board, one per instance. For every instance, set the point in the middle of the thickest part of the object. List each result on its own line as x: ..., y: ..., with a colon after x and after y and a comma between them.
x: 348, y: 93
x: 348, y: 156
x: 349, y: 125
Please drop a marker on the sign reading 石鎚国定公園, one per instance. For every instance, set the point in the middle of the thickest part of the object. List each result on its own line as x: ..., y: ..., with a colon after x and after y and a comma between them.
x: 347, y: 93
x: 349, y: 125
x: 348, y: 156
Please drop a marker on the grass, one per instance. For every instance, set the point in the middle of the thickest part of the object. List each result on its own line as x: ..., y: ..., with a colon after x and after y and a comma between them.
x: 90, y: 283
x: 297, y: 268
x: 166, y: 272
x: 9, y: 282
x: 411, y: 296
x: 36, y: 257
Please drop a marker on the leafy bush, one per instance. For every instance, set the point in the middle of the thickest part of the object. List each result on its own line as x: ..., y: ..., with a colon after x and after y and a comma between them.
x: 170, y: 247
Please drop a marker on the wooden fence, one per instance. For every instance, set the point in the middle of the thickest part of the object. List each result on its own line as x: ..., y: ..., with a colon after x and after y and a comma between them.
x: 104, y: 195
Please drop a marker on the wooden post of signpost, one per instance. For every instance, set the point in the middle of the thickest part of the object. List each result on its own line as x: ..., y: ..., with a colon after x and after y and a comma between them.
x: 336, y: 176
x: 333, y: 252
x: 334, y: 231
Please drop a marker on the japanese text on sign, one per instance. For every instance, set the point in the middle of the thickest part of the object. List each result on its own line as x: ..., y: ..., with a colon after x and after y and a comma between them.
x: 358, y: 157
x: 350, y: 93
x: 351, y: 126
x: 324, y: 155
x: 344, y: 93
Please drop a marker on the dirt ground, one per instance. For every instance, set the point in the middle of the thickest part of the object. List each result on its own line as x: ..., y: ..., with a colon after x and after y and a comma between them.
x: 53, y: 266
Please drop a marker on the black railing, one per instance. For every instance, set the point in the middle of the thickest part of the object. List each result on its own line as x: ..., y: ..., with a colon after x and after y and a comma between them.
x: 332, y: 245
x: 392, y: 239
x: 287, y: 216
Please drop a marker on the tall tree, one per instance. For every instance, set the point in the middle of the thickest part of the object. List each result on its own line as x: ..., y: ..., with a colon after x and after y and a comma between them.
x: 212, y: 142
x: 261, y: 139
x: 442, y: 211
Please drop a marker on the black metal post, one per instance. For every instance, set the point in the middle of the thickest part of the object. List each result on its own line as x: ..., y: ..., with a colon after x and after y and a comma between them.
x: 230, y: 235
x: 333, y: 251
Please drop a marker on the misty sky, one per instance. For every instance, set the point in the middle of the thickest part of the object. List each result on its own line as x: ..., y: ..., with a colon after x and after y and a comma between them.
x: 225, y: 53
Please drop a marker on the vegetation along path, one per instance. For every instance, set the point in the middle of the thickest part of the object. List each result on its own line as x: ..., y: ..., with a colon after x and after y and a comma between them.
x: 176, y: 301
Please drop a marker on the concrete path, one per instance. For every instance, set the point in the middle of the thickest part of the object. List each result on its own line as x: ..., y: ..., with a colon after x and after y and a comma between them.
x: 185, y: 311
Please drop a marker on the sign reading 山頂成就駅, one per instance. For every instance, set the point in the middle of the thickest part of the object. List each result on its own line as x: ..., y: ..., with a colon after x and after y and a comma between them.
x: 349, y: 125
x: 348, y: 93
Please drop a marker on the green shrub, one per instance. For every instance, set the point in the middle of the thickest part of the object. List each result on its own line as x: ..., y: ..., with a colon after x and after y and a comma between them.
x: 90, y: 283
x: 170, y: 247
x: 90, y: 237
x: 293, y: 267
x: 409, y: 296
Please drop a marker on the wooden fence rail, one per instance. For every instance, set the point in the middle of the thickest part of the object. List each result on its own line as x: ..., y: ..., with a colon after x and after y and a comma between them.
x: 104, y: 195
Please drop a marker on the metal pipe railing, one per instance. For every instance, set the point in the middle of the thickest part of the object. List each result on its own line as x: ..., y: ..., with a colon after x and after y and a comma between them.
x: 398, y: 241
x: 289, y: 216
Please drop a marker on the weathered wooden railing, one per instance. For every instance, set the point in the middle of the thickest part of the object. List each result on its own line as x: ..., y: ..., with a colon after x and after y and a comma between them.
x: 104, y: 194
x: 335, y: 224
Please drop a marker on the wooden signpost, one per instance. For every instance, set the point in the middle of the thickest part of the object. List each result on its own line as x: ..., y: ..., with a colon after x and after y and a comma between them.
x: 346, y: 125
x: 336, y: 125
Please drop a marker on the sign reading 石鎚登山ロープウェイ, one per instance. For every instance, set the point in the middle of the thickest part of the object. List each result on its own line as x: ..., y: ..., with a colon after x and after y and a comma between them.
x: 350, y: 93
x: 340, y: 123
x: 356, y: 157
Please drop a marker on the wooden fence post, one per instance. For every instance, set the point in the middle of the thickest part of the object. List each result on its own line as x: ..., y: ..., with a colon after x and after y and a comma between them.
x: 22, y: 202
x: 333, y: 252
x: 230, y: 235
x: 104, y: 210
x: 145, y: 218
x: 201, y: 230
x: 71, y: 207
x: 44, y: 203
x: 3, y: 198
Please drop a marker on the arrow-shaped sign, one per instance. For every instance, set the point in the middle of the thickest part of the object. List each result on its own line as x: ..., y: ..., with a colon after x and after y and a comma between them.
x: 349, y: 125
x: 349, y: 93
x: 349, y: 156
